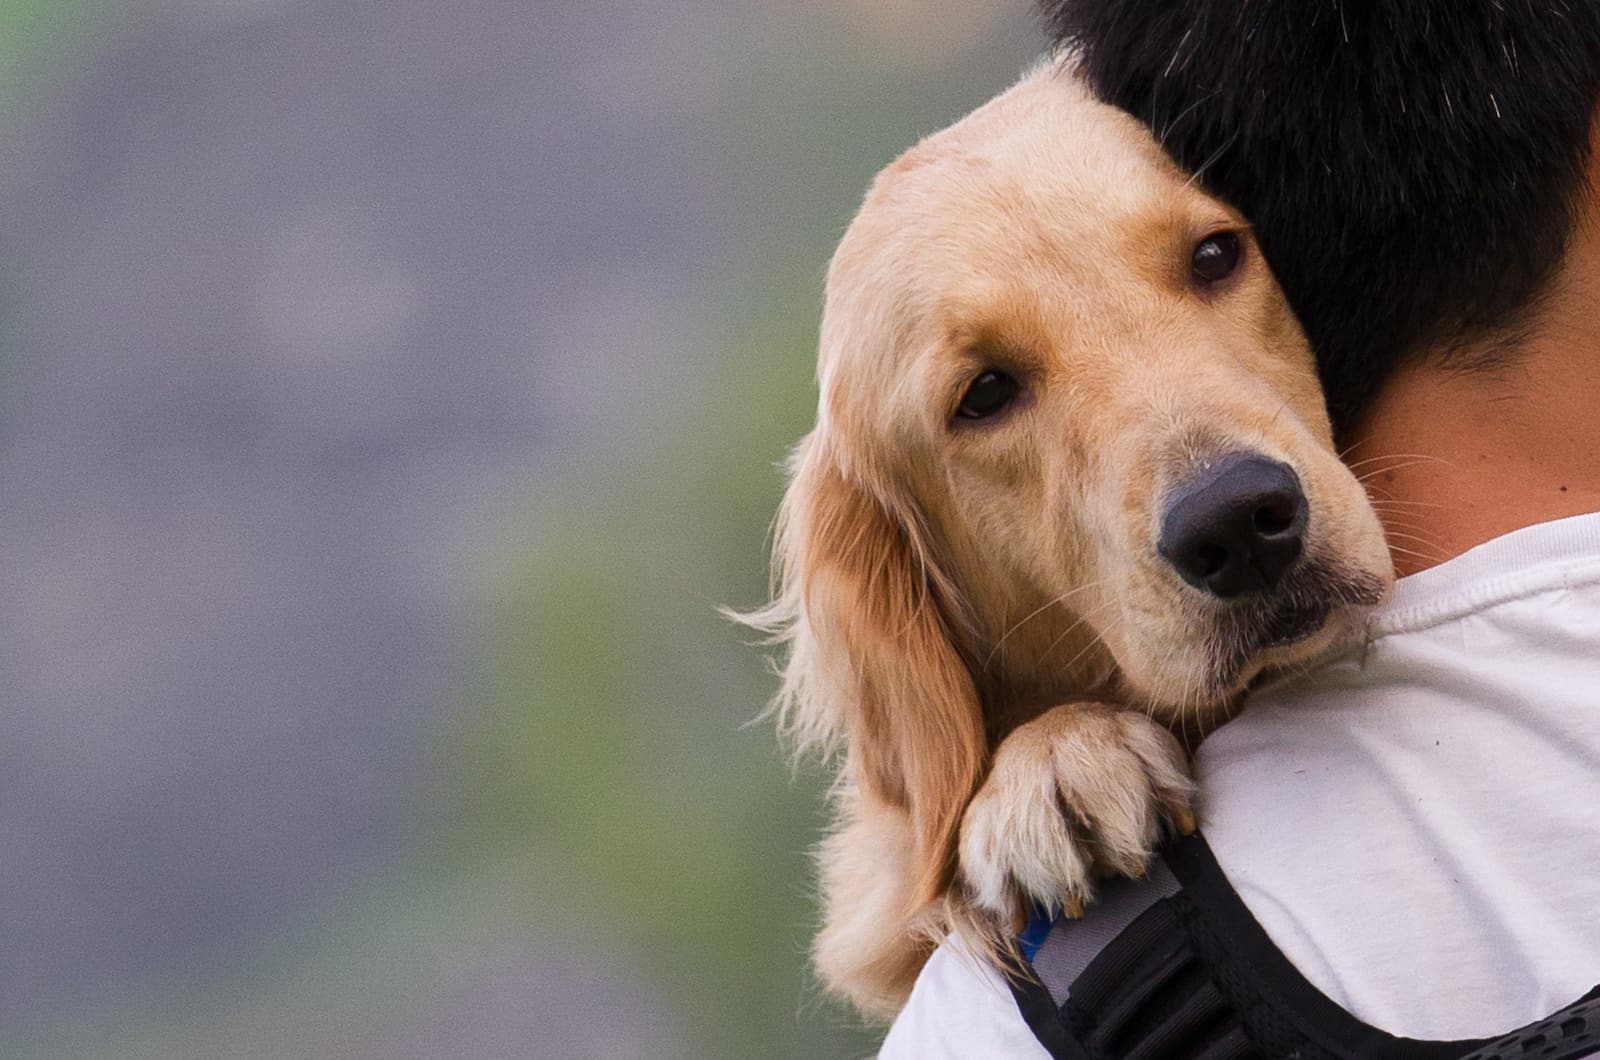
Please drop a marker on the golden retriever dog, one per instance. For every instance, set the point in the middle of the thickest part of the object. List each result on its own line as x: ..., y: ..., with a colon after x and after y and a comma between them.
x: 1071, y: 488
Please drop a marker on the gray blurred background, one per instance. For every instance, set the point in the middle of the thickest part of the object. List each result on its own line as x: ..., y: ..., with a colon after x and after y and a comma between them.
x: 390, y: 391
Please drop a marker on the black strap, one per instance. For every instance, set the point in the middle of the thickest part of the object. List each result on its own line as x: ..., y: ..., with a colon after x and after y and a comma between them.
x: 1194, y: 976
x: 1150, y: 995
x: 1572, y: 1032
x: 1039, y: 1011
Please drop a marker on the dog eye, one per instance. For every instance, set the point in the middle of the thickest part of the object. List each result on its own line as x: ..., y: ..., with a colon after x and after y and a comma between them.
x: 988, y: 394
x: 1215, y: 257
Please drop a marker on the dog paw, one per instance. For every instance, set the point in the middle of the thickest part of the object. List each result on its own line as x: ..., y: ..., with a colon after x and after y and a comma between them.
x: 1078, y: 793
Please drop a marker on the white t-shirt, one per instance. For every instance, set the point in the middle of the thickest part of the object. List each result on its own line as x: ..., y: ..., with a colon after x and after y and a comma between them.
x: 1416, y: 825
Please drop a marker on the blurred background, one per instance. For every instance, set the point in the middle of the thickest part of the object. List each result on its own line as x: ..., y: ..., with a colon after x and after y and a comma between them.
x: 390, y: 392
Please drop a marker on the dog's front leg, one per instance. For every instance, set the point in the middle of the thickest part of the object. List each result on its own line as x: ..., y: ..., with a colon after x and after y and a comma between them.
x: 1077, y: 793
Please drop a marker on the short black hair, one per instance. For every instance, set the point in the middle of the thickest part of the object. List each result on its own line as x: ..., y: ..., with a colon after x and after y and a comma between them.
x: 1412, y: 168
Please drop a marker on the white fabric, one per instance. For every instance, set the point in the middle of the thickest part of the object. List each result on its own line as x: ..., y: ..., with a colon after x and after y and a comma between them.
x: 960, y: 1009
x: 1416, y: 824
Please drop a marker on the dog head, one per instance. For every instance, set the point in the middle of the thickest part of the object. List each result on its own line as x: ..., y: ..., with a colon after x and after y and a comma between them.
x: 1070, y: 445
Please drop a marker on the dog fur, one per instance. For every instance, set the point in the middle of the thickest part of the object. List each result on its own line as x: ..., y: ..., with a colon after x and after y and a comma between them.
x: 975, y: 615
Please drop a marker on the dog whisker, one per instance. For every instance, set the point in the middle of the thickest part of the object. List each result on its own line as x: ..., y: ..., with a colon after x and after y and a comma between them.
x: 1390, y: 502
x: 1422, y: 548
x: 1393, y: 522
x: 1393, y: 456
x: 1429, y: 556
x: 1347, y: 450
x: 1367, y: 476
x: 1066, y: 632
x: 1405, y: 520
x: 1414, y: 554
x: 1035, y: 613
x: 1096, y: 641
x: 1418, y: 538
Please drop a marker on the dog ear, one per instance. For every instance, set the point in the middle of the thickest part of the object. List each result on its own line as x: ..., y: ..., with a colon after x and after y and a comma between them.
x: 872, y: 661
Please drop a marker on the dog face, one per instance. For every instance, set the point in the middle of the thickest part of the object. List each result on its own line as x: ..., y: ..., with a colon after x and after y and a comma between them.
x: 1070, y: 371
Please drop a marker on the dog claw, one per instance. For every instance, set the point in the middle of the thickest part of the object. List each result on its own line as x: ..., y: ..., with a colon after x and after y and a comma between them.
x: 1183, y: 820
x: 1073, y: 908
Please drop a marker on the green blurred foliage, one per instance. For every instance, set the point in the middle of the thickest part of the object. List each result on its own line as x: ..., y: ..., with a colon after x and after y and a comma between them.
x: 32, y: 33
x: 616, y: 749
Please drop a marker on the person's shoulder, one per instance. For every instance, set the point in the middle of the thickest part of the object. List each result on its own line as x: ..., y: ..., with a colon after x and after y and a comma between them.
x: 960, y: 1009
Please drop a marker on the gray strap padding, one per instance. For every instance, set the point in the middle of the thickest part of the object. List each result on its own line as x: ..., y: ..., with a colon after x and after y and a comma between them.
x: 1072, y: 944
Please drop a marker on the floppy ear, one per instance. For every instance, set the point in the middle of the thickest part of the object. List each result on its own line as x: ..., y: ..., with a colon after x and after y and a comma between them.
x: 868, y: 618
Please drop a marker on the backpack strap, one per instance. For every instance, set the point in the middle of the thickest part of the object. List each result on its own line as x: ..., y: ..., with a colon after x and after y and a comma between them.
x: 1058, y: 951
x: 1062, y: 955
x: 1572, y: 1032
x: 1176, y: 966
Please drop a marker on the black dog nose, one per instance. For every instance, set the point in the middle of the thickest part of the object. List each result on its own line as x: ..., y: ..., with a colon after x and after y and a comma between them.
x: 1235, y: 527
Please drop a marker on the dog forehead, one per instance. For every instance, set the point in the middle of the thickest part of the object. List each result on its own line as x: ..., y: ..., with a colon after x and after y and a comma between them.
x: 1046, y: 140
x: 1041, y: 184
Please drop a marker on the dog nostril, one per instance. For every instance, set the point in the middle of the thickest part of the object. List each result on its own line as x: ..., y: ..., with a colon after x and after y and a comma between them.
x: 1275, y: 517
x: 1209, y: 560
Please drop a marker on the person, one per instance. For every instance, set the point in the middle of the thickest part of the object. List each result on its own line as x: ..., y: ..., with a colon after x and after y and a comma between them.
x: 1414, y: 826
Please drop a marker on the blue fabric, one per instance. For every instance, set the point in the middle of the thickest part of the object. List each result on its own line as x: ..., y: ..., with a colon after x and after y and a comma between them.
x: 1032, y: 937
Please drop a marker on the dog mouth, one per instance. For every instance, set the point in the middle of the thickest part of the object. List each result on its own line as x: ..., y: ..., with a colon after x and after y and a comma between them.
x: 1310, y: 597
x: 1287, y: 626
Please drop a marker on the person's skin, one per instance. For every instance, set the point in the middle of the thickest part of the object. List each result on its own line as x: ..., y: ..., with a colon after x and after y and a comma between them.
x: 1455, y: 457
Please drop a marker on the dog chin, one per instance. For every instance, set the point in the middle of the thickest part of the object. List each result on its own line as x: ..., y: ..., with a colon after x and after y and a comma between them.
x: 1320, y: 607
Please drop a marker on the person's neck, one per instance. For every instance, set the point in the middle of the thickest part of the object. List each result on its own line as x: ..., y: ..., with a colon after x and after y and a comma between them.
x: 1454, y: 457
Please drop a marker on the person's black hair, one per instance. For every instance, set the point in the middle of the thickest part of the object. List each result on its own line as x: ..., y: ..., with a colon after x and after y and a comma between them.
x: 1411, y: 167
